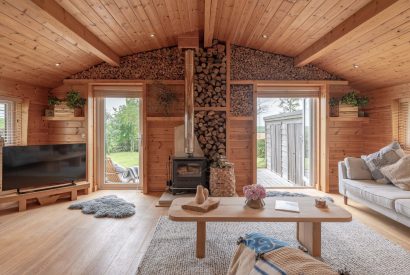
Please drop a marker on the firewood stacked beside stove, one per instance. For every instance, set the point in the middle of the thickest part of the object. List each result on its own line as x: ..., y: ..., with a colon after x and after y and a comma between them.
x: 210, y: 130
x: 210, y: 76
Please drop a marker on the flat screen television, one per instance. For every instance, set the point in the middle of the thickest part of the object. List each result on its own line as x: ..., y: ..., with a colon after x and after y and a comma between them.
x: 43, y: 165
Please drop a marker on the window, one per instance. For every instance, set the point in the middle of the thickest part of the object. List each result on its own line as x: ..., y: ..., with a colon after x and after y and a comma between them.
x: 10, y: 122
x: 404, y: 123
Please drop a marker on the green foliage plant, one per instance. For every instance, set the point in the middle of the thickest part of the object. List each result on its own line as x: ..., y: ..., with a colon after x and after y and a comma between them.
x: 53, y: 100
x: 74, y: 100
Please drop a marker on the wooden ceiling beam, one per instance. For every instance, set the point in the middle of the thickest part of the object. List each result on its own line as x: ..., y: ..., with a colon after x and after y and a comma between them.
x: 209, y: 24
x: 77, y: 31
x: 355, y: 25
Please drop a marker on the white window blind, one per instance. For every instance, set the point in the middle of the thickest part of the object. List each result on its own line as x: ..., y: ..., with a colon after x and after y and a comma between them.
x: 283, y: 92
x: 404, y: 123
x: 118, y: 90
x: 11, y: 122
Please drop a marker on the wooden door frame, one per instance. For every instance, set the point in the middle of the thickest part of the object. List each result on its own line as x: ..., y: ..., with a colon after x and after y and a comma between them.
x: 98, y: 149
x: 320, y: 134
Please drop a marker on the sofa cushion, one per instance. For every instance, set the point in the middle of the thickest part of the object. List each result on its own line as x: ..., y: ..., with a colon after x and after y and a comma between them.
x: 403, y: 207
x: 385, y: 156
x: 399, y: 173
x: 357, y: 169
x: 381, y: 194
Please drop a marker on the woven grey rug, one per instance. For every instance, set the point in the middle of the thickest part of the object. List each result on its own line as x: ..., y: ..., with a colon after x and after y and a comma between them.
x: 108, y: 206
x: 352, y: 246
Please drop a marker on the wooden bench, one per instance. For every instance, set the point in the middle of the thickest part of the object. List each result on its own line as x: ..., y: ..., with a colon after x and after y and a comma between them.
x: 45, y: 197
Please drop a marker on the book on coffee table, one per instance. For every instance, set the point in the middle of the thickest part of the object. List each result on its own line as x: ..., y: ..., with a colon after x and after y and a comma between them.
x: 291, y: 206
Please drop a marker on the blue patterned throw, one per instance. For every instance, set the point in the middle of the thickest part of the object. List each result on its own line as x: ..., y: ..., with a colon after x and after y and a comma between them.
x: 261, y: 243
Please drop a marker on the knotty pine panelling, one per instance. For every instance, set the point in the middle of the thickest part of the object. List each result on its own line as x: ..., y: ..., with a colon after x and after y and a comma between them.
x: 379, y: 131
x: 241, y: 151
x: 160, y: 146
x: 345, y: 138
x: 37, y: 128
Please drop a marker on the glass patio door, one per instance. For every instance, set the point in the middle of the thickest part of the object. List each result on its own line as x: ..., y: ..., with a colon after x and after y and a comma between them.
x: 119, y: 132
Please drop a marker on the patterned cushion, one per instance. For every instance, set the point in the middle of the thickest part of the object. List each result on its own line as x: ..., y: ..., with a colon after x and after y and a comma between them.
x: 357, y: 169
x: 386, y: 156
x: 399, y: 173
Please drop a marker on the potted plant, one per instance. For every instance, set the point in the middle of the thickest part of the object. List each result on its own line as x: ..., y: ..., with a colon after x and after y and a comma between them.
x: 58, y: 107
x: 350, y: 103
x: 52, y: 102
x: 254, y: 195
x: 334, y: 107
x: 362, y: 102
x: 76, y: 102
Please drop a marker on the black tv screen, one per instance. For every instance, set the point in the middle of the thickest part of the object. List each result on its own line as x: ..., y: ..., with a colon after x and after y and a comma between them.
x: 43, y: 165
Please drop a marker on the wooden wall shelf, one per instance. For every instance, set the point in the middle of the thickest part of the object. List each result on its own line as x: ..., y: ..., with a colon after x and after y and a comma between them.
x: 46, y: 196
x: 351, y: 119
x: 173, y: 118
x: 57, y: 118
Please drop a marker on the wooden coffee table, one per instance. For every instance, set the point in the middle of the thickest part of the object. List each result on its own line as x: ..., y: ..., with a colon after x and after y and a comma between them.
x: 234, y: 210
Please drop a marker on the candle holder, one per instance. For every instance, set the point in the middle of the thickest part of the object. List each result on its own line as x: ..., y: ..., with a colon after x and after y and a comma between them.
x: 320, y: 203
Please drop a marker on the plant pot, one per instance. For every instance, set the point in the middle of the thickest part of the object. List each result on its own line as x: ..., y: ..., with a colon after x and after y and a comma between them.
x: 62, y: 110
x: 255, y: 204
x: 346, y: 110
x: 362, y: 114
x: 78, y: 112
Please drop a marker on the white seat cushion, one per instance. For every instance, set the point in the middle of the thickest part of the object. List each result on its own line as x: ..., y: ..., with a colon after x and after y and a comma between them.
x: 403, y: 207
x: 355, y: 187
x: 384, y: 195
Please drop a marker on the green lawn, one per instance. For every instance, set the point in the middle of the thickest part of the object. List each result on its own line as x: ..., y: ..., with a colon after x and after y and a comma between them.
x: 125, y: 159
x: 261, y: 162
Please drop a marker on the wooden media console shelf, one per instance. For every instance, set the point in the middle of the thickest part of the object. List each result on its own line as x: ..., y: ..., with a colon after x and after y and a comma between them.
x: 45, y: 197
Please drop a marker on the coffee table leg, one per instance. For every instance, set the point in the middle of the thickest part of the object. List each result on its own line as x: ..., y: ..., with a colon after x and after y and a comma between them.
x: 200, y: 239
x: 309, y: 234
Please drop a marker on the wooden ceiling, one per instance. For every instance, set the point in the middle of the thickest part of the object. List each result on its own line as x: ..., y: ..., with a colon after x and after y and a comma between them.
x: 333, y: 34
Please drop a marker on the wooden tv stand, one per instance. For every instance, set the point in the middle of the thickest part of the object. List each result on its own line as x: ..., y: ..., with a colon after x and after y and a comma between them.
x: 45, y: 197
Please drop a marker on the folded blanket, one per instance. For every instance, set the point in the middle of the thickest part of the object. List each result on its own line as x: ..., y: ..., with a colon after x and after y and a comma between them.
x: 259, y: 254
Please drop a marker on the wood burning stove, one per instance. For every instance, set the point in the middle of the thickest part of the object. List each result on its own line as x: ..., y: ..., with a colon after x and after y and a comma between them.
x: 188, y: 173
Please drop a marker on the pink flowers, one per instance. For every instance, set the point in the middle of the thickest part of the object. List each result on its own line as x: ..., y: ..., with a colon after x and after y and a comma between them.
x: 254, y: 192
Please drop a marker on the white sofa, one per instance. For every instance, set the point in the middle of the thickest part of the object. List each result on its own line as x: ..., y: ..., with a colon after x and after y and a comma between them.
x: 386, y: 199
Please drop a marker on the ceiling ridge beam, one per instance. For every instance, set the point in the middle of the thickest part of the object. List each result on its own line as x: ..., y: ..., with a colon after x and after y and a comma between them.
x: 338, y: 35
x: 78, y: 31
x: 209, y: 24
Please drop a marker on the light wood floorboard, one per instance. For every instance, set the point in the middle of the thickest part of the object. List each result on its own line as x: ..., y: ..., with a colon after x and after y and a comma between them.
x: 54, y: 240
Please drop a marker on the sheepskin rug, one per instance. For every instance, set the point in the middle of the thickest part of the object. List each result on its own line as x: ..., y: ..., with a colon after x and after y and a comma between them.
x: 108, y: 206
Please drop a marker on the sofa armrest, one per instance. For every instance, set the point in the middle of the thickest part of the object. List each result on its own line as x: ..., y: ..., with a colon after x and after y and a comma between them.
x: 342, y: 172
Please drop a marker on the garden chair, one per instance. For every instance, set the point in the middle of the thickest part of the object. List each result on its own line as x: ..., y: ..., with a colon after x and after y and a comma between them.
x: 118, y: 174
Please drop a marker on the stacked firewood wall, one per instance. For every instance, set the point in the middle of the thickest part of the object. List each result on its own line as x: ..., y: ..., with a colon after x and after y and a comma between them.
x: 242, y: 100
x: 210, y: 130
x: 210, y: 76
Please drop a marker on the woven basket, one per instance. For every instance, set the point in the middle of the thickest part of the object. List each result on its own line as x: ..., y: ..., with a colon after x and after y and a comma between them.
x: 222, y: 182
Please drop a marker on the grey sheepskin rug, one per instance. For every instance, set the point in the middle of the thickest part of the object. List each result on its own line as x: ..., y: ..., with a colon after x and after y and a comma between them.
x: 291, y: 194
x: 108, y: 206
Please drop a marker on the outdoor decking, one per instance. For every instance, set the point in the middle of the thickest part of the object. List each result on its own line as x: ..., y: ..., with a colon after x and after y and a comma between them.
x: 269, y: 179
